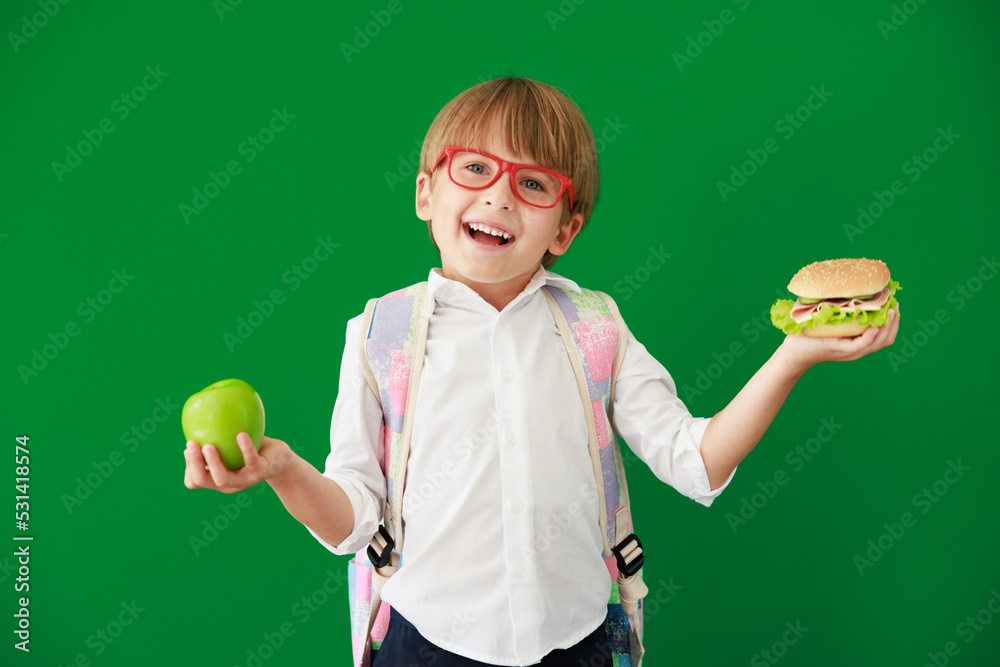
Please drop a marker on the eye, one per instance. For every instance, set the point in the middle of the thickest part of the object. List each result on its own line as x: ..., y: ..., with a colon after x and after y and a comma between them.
x: 476, y: 168
x: 532, y: 184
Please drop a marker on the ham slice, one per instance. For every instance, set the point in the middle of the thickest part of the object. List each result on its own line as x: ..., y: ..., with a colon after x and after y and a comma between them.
x: 803, y: 311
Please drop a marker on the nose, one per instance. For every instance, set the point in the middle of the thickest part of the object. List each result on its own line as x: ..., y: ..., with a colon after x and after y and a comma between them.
x: 500, y: 193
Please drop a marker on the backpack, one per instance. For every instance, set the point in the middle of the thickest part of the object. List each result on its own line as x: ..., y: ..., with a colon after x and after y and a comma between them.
x: 391, y: 345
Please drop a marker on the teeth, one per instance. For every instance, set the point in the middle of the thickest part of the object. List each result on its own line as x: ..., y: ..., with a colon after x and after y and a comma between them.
x: 489, y: 230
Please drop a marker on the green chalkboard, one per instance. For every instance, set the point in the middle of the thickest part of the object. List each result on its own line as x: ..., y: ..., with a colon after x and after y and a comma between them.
x: 169, y: 167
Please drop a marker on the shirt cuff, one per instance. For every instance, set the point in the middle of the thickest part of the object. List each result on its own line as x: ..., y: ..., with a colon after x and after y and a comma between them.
x: 364, y: 530
x: 695, y: 466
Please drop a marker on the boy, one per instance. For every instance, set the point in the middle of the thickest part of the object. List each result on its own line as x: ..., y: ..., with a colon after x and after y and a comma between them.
x: 498, y: 457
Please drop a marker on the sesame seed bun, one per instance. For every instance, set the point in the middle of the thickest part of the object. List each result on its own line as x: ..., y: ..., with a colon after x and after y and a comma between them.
x: 833, y: 278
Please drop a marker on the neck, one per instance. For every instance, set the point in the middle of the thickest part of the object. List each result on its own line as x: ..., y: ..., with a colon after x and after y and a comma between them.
x: 498, y: 294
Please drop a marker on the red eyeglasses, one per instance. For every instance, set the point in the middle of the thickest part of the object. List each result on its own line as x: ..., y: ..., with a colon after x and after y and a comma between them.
x: 476, y: 170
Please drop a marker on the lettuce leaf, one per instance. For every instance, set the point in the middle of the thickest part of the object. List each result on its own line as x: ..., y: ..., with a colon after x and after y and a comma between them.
x: 829, y: 314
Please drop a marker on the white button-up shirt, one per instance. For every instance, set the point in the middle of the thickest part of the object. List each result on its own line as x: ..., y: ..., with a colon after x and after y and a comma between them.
x: 501, y: 556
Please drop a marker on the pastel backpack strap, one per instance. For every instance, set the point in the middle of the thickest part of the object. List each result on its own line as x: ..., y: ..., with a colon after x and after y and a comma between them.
x: 391, y: 346
x: 594, y: 335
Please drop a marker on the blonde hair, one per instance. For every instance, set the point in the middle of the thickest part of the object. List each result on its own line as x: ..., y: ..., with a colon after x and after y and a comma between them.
x: 531, y: 118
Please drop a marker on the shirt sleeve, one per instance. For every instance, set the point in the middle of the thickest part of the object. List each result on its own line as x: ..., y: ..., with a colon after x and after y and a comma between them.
x: 356, y: 449
x: 658, y: 427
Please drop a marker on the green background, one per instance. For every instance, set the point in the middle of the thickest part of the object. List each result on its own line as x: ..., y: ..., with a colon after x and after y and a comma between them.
x: 680, y: 129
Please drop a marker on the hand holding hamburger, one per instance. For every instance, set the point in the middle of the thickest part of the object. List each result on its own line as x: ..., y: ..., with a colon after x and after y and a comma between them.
x: 837, y: 298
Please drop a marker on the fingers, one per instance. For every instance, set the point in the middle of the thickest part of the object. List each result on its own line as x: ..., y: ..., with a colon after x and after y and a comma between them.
x: 872, y: 339
x: 855, y: 347
x: 893, y: 326
x: 875, y: 338
x: 887, y: 332
x: 216, y: 468
x: 195, y: 475
x: 868, y: 336
x: 251, y: 459
x: 205, y: 468
x: 188, y: 481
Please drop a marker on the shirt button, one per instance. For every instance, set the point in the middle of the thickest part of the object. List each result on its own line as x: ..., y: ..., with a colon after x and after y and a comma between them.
x: 507, y: 376
x: 520, y: 572
x: 511, y: 438
x: 517, y: 506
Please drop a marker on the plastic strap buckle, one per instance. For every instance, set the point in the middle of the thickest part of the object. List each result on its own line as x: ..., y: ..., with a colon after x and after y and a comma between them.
x: 633, y: 552
x: 386, y: 544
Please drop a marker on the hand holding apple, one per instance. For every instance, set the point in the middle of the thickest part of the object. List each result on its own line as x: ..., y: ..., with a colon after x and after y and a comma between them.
x: 204, y: 469
x: 218, y: 413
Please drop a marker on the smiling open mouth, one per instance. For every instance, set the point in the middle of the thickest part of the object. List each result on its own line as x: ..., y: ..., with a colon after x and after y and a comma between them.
x: 486, y: 235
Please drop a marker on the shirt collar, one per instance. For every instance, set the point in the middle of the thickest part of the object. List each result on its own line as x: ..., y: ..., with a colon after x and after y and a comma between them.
x: 444, y: 289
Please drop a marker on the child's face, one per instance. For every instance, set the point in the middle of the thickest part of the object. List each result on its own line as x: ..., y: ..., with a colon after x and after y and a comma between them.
x: 451, y: 208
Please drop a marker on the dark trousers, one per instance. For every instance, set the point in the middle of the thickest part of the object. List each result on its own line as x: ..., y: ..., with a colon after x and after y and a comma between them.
x: 405, y: 647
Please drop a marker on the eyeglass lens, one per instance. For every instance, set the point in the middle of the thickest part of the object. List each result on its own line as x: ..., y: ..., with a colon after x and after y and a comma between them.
x: 533, y: 185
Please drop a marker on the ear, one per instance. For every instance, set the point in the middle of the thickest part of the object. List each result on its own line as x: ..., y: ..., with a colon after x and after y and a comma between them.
x: 566, y: 234
x: 424, y: 196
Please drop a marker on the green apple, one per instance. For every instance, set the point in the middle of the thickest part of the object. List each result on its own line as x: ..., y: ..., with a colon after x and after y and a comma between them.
x: 219, y: 412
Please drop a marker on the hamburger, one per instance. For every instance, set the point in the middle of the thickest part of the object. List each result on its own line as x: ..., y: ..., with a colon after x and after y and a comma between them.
x: 836, y: 298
